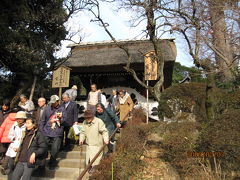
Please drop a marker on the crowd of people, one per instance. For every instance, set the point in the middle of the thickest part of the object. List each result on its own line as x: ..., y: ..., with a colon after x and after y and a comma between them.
x: 28, y: 134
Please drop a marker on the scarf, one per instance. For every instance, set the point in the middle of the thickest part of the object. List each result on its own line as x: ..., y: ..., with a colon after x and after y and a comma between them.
x: 123, y: 100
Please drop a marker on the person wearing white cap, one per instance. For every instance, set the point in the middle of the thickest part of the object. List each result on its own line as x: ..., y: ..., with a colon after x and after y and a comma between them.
x: 53, y: 114
x: 72, y: 93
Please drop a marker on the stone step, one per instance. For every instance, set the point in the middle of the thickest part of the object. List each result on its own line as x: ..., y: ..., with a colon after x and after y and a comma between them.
x: 4, y: 177
x: 71, y: 163
x: 57, y: 178
x: 86, y: 177
x: 62, y: 172
x: 78, y: 148
x: 72, y: 155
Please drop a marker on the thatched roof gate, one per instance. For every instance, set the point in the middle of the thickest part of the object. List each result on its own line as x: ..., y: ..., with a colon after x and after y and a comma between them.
x: 106, y: 60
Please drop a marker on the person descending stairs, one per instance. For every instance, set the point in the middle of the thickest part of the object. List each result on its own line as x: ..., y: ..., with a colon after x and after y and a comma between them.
x: 70, y: 163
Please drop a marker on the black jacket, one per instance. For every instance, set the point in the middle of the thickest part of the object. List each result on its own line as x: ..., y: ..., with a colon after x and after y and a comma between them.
x: 45, y: 125
x: 3, y: 115
x: 36, y: 145
x: 71, y: 113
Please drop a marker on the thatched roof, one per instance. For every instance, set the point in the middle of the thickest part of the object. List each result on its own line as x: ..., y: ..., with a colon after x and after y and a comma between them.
x: 108, y: 54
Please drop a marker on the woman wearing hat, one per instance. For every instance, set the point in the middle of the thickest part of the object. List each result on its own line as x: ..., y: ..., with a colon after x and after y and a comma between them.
x: 6, y: 126
x: 8, y: 123
x: 15, y: 136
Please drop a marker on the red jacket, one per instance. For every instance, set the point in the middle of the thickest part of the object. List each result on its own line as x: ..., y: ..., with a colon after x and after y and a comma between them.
x: 6, y: 126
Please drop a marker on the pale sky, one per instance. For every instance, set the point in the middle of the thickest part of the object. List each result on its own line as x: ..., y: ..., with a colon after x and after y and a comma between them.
x: 119, y: 26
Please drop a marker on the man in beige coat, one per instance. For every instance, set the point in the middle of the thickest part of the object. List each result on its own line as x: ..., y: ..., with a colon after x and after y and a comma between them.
x: 95, y: 134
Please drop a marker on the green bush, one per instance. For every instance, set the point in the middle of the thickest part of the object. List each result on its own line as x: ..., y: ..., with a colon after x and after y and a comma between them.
x: 178, y: 140
x: 126, y: 160
x: 186, y: 95
x: 223, y: 135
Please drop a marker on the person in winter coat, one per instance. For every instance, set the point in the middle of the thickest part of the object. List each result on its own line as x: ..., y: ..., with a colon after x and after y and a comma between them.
x: 39, y: 111
x: 71, y: 111
x: 95, y: 133
x: 6, y: 126
x: 110, y: 120
x: 51, y: 127
x: 114, y: 101
x: 3, y: 114
x: 32, y: 151
x: 72, y: 93
x: 125, y: 105
x: 94, y: 97
x: 26, y: 104
x: 15, y: 136
x: 4, y: 111
x: 103, y: 98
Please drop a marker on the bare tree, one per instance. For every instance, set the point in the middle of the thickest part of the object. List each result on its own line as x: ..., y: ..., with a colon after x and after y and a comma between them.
x: 220, y: 38
x: 148, y: 8
x: 210, y: 28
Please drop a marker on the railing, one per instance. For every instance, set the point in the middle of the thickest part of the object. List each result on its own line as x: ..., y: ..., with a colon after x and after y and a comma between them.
x: 95, y: 157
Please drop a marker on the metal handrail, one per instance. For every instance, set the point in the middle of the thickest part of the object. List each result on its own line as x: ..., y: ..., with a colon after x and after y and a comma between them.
x: 95, y: 157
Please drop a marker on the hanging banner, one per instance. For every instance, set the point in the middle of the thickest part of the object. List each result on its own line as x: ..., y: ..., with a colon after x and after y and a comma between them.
x: 150, y: 66
x: 61, y: 77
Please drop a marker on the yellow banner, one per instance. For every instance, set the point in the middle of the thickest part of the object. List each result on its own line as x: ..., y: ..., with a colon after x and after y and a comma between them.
x: 150, y: 66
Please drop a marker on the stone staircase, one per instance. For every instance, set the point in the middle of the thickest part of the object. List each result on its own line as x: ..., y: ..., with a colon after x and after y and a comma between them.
x: 71, y: 164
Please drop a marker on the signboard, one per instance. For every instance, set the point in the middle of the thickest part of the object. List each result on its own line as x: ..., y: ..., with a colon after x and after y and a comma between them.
x: 150, y: 66
x: 61, y: 77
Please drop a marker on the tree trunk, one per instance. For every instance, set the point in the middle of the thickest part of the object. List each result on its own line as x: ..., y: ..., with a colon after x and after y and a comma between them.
x: 15, y: 99
x: 224, y: 54
x: 33, y: 88
x: 210, y: 97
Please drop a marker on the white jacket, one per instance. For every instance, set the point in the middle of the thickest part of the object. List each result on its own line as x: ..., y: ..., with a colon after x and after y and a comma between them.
x: 15, y: 136
x: 28, y: 106
x: 72, y: 94
x: 104, y: 100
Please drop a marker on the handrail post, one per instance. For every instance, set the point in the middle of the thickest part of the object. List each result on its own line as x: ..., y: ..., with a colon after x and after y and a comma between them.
x: 95, y: 157
x: 81, y: 146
